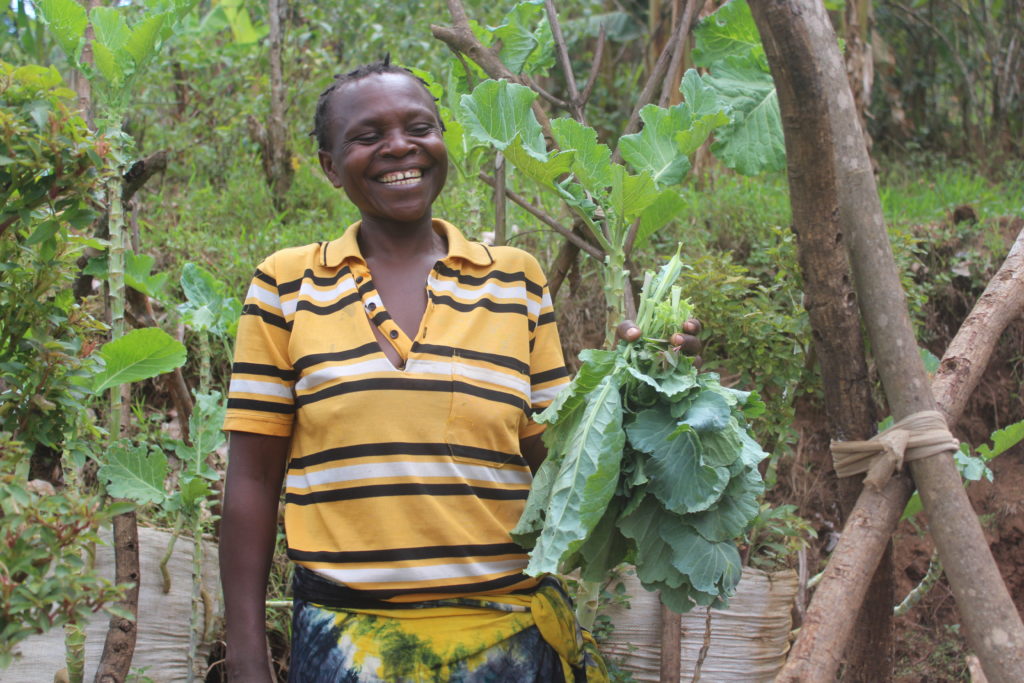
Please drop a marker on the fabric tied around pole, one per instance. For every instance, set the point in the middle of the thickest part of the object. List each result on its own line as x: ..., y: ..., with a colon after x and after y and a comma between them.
x: 917, y: 436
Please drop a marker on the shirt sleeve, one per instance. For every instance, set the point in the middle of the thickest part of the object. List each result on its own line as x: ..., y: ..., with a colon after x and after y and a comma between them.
x: 261, y: 396
x: 548, y: 374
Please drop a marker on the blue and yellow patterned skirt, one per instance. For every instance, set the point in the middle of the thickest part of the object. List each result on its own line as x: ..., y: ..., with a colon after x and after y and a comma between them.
x: 501, y: 638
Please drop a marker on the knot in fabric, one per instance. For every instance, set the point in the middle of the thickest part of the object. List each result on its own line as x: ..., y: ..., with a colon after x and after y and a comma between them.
x: 917, y: 436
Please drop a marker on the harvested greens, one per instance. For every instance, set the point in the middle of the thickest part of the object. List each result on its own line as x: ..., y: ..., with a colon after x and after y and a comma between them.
x: 648, y: 462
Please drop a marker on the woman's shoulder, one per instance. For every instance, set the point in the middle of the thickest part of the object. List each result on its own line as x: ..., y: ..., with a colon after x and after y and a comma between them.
x: 514, y: 258
x: 290, y: 262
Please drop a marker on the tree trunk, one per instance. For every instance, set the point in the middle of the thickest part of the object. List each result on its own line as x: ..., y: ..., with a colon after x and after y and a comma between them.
x: 802, y: 51
x: 831, y: 307
x: 277, y: 156
x: 119, y: 647
x: 858, y: 19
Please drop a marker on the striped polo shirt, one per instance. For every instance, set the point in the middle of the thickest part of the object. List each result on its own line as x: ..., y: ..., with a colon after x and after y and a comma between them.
x: 402, y: 483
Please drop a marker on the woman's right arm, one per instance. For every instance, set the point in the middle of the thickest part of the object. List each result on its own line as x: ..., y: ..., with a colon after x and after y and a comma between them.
x: 248, y: 532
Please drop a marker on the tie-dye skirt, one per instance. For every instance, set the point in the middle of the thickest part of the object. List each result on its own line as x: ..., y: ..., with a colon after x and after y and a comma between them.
x: 503, y: 638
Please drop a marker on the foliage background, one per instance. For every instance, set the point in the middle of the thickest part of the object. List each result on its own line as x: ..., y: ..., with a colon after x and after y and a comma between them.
x: 946, y: 117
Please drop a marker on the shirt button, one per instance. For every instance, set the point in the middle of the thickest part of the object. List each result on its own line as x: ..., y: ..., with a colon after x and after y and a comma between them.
x: 371, y: 306
x: 359, y: 279
x: 394, y: 334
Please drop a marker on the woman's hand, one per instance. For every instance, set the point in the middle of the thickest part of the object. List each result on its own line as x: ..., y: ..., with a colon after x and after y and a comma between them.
x: 686, y: 341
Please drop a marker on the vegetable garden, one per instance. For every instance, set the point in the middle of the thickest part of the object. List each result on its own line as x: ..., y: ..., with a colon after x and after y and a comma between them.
x: 152, y: 153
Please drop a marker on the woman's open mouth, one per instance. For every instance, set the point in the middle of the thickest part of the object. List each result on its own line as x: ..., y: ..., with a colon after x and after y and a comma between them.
x: 410, y: 177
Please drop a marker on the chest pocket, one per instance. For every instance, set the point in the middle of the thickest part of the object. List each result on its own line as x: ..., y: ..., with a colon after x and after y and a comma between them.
x: 482, y: 428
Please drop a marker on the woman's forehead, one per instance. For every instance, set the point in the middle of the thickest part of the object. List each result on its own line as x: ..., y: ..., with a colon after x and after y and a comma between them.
x: 377, y: 91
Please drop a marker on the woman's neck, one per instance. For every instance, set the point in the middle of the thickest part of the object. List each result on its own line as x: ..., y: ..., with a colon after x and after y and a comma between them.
x: 380, y: 240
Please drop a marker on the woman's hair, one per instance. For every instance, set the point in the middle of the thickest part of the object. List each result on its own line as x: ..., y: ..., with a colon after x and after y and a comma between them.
x: 382, y: 66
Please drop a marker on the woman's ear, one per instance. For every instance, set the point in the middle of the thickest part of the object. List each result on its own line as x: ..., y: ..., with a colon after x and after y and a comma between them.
x: 327, y: 164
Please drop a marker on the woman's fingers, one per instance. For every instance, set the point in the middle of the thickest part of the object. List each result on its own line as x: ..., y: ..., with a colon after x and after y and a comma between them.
x: 627, y: 331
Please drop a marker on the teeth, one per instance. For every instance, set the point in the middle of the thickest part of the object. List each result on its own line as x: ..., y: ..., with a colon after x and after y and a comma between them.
x: 409, y: 177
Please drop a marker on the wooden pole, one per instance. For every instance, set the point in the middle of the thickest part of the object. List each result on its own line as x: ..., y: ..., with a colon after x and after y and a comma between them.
x: 671, y: 654
x: 802, y: 50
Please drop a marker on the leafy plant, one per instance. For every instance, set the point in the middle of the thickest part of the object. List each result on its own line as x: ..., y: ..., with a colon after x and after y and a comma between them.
x: 648, y: 462
x: 775, y: 536
x: 45, y: 581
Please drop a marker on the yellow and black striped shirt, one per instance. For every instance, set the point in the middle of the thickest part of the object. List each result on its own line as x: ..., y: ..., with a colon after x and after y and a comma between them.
x: 402, y: 484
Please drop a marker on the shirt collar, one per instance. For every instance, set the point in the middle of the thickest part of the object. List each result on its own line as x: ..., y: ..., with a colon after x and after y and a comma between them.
x: 346, y: 247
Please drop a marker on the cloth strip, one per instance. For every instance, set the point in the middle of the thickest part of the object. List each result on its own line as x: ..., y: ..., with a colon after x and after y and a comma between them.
x: 917, y: 436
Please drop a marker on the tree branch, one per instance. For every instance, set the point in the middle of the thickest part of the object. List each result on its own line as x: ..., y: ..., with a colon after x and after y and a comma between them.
x: 563, y: 57
x: 693, y: 8
x: 141, y: 171
x: 595, y: 68
x: 548, y: 220
x: 459, y: 37
x: 654, y: 80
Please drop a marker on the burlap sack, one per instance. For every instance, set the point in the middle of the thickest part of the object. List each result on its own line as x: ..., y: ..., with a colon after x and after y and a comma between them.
x: 161, y: 651
x: 749, y: 640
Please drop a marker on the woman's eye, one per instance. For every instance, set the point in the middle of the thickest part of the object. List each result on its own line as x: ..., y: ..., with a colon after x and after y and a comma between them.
x: 421, y: 129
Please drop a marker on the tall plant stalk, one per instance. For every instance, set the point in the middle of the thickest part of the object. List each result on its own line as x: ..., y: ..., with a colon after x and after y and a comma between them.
x: 115, y: 213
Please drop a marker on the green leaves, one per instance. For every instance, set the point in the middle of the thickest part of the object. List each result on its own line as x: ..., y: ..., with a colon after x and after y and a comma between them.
x: 67, y: 20
x: 498, y: 112
x: 729, y: 46
x: 752, y: 142
x: 729, y: 31
x: 119, y: 50
x: 138, y: 355
x: 586, y: 480
x: 209, y: 307
x: 653, y: 149
x: 525, y: 49
x: 136, y: 473
x: 647, y: 460
x: 592, y: 162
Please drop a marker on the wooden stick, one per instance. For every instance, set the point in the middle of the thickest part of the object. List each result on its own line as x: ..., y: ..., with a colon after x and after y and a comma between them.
x: 671, y: 655
x: 801, y: 49
x: 500, y: 235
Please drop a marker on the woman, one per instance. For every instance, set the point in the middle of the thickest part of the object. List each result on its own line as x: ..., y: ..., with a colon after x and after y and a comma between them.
x: 401, y: 415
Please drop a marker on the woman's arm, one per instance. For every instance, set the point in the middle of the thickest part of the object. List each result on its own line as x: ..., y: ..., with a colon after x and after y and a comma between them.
x: 248, y: 533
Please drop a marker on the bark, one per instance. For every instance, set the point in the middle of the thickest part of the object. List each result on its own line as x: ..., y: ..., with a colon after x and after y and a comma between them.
x: 802, y: 50
x: 858, y: 19
x: 671, y: 655
x: 83, y: 88
x: 277, y: 158
x: 831, y: 305
x: 119, y: 647
x: 141, y: 171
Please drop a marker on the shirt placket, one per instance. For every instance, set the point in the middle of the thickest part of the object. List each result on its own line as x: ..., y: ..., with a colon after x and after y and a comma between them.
x: 377, y: 314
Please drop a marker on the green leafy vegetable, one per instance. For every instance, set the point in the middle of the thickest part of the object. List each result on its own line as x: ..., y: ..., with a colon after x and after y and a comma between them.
x: 648, y: 462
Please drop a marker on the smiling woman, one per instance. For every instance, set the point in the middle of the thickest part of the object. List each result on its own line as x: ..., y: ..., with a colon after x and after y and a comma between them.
x: 392, y: 375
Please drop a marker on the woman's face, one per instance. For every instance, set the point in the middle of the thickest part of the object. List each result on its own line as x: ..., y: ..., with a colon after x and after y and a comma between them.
x: 386, y: 147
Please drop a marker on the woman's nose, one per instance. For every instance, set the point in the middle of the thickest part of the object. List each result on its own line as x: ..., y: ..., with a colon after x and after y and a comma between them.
x: 397, y: 144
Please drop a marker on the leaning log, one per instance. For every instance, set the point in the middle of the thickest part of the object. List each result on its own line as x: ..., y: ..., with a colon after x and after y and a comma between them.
x: 802, y: 50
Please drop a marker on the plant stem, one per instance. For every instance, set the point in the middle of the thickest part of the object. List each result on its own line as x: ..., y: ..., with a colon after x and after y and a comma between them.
x: 931, y: 577
x: 586, y: 603
x: 198, y: 608
x: 116, y: 272
x: 74, y: 652
x: 166, y: 575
